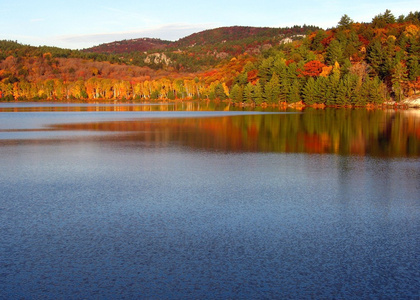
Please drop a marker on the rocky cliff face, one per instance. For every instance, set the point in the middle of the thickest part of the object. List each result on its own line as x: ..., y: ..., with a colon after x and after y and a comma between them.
x: 157, y: 58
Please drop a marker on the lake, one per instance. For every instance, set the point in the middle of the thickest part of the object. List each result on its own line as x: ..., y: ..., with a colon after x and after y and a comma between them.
x: 192, y: 201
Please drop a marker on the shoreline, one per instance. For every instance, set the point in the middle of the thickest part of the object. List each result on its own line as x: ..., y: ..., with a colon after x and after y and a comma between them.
x: 411, y: 102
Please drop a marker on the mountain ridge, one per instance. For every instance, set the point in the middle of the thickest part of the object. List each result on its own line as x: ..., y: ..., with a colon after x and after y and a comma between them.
x: 207, y: 37
x: 129, y: 45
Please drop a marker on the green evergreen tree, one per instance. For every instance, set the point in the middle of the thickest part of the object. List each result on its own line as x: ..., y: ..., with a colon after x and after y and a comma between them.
x: 357, y: 92
x: 413, y: 68
x: 284, y: 88
x: 389, y: 61
x: 309, y: 92
x: 258, y: 93
x: 249, y: 93
x: 413, y: 61
x: 265, y: 70
x: 249, y: 66
x: 291, y: 72
x: 364, y: 95
x: 334, y: 52
x: 344, y: 91
x: 322, y: 90
x: 236, y: 93
x: 280, y: 67
x: 345, y: 69
x: 384, y: 19
x: 377, y: 91
x: 219, y: 92
x: 241, y: 79
x: 402, y: 41
x: 376, y: 58
x: 399, y: 78
x: 272, y: 90
x: 294, y: 93
x: 413, y: 17
x: 345, y: 22
x: 332, y: 85
x: 388, y: 17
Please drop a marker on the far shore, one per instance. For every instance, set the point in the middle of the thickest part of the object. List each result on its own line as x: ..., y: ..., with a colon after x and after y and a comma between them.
x: 411, y: 102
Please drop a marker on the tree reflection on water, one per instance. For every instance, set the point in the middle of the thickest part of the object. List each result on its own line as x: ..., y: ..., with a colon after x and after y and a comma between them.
x: 340, y: 131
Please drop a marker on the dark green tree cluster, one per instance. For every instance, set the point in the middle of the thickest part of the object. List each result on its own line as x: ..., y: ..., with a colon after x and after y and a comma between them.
x: 363, y: 63
x: 13, y: 48
x: 283, y: 83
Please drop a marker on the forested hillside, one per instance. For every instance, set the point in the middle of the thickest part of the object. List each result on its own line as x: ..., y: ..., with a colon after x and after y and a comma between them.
x: 128, y: 46
x: 351, y: 64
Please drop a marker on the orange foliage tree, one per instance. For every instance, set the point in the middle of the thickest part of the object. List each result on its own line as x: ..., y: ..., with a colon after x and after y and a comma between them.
x: 312, y: 68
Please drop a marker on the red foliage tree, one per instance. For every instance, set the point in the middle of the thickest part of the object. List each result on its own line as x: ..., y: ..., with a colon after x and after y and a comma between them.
x: 252, y: 76
x: 312, y: 68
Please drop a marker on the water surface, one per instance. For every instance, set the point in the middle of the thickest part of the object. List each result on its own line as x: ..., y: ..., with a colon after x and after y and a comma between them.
x: 209, y: 204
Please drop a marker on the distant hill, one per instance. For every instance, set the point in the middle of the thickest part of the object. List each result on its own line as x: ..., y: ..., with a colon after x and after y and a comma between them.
x: 219, y: 36
x: 127, y: 46
x: 238, y: 33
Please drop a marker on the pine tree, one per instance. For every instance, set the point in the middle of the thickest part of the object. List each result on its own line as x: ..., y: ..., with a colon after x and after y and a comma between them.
x: 309, y: 92
x: 344, y: 91
x: 236, y: 94
x: 258, y: 93
x: 272, y: 89
x: 248, y: 93
x: 377, y: 91
x: 294, y: 93
x: 413, y: 63
x: 322, y: 90
x: 399, y: 78
x: 382, y: 20
x: 371, y: 91
x: 219, y: 92
x: 413, y: 68
x: 357, y: 83
x: 280, y: 67
x: 265, y: 70
x: 364, y: 92
x: 332, y: 85
x: 334, y: 52
x: 345, y: 22
x: 389, y: 55
x: 284, y: 89
x: 376, y: 58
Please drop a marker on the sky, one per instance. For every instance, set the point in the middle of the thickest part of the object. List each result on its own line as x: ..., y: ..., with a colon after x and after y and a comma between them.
x: 77, y: 24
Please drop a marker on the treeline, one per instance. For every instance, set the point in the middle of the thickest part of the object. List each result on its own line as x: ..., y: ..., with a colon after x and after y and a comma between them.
x: 13, y: 48
x: 352, y: 64
x: 106, y: 89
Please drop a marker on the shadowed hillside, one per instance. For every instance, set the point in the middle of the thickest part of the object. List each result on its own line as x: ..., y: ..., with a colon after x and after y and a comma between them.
x: 127, y: 46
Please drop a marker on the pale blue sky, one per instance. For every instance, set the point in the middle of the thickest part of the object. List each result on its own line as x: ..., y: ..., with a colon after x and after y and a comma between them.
x: 80, y: 24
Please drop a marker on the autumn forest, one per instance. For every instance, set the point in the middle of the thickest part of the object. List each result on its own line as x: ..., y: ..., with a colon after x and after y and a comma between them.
x: 353, y: 64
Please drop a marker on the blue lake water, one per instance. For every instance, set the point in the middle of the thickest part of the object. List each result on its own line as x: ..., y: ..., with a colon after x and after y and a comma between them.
x: 208, y: 204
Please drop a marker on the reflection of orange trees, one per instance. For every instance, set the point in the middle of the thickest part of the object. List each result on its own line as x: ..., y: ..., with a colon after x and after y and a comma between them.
x: 357, y: 132
x: 317, y: 143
